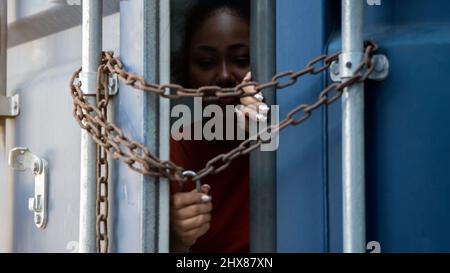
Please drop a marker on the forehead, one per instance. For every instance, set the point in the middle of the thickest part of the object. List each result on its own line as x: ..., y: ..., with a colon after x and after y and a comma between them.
x: 221, y: 29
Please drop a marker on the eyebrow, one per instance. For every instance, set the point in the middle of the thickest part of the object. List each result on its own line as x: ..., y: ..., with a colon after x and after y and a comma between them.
x: 212, y: 49
x: 237, y: 46
x: 206, y: 48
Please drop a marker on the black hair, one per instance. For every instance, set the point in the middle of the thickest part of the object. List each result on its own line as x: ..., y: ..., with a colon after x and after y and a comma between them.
x: 198, y: 13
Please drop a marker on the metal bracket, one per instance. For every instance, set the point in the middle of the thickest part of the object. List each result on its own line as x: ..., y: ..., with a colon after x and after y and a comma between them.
x: 381, y: 71
x: 113, y: 84
x: 9, y: 106
x: 21, y: 159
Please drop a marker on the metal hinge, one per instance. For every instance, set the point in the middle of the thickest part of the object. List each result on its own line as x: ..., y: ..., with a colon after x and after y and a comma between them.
x: 380, y: 72
x: 9, y: 106
x: 21, y: 159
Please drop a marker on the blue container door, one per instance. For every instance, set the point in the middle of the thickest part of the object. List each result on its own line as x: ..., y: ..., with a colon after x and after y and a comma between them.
x: 407, y: 131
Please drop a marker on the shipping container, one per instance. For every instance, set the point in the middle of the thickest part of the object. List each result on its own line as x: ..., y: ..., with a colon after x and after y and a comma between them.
x: 297, y: 192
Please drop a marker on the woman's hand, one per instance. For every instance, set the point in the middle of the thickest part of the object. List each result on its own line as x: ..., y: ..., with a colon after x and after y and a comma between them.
x: 190, y: 218
x: 251, y: 107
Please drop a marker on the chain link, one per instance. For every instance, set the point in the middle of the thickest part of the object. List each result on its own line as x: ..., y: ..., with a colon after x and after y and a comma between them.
x: 102, y: 202
x: 112, y: 140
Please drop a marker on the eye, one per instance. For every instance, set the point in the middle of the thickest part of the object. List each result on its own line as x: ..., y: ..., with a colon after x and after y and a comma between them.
x: 206, y: 63
x: 242, y: 61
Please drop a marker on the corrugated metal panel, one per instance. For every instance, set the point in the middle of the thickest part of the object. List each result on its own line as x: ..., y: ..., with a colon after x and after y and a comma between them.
x: 136, y: 196
x: 407, y: 166
x: 39, y: 70
x: 300, y: 175
x: 406, y: 135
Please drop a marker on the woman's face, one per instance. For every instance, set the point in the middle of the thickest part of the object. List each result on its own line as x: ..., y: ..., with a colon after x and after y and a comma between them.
x: 219, y: 52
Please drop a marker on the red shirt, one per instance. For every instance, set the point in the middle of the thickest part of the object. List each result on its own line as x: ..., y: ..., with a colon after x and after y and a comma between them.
x: 229, y: 231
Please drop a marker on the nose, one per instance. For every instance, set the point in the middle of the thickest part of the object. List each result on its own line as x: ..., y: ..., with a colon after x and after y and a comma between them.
x: 225, y: 78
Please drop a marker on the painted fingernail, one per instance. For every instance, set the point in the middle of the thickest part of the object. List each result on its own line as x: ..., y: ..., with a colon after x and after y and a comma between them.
x: 264, y: 109
x: 206, y: 198
x: 259, y: 97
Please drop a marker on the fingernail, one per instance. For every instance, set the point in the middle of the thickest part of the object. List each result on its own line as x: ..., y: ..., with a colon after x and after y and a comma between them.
x: 206, y: 186
x: 259, y: 97
x: 264, y: 109
x: 261, y: 117
x: 206, y: 198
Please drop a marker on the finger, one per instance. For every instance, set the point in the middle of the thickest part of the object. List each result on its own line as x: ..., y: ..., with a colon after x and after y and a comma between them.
x: 193, y: 223
x: 241, y: 120
x: 198, y: 232
x: 184, y: 199
x: 252, y: 112
x: 258, y: 97
x: 205, y: 188
x: 258, y: 108
x: 248, y: 77
x: 250, y: 101
x: 204, y: 229
x: 192, y: 211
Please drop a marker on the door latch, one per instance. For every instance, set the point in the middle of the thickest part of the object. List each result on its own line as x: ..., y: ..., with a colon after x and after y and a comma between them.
x: 21, y: 159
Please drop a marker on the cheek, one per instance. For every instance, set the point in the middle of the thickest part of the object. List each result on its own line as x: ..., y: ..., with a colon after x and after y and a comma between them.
x: 241, y: 73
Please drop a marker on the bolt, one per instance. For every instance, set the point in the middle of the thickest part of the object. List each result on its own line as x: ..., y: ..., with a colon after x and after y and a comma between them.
x: 349, y: 65
x: 335, y: 69
x: 36, y: 168
x: 380, y: 63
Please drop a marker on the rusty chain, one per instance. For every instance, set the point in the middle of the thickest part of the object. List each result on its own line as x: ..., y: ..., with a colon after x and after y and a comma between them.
x: 102, y: 201
x: 112, y: 139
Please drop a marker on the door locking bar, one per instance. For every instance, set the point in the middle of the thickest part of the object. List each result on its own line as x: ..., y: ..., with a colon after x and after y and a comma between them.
x: 21, y: 159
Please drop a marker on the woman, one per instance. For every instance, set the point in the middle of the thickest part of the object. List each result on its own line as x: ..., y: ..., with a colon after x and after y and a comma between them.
x: 216, y: 53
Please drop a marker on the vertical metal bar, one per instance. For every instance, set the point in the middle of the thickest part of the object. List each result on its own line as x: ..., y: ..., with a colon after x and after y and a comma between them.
x: 3, y: 45
x: 164, y: 124
x: 150, y: 115
x: 6, y: 140
x: 92, y: 47
x: 354, y: 228
x: 263, y: 220
x: 137, y: 197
